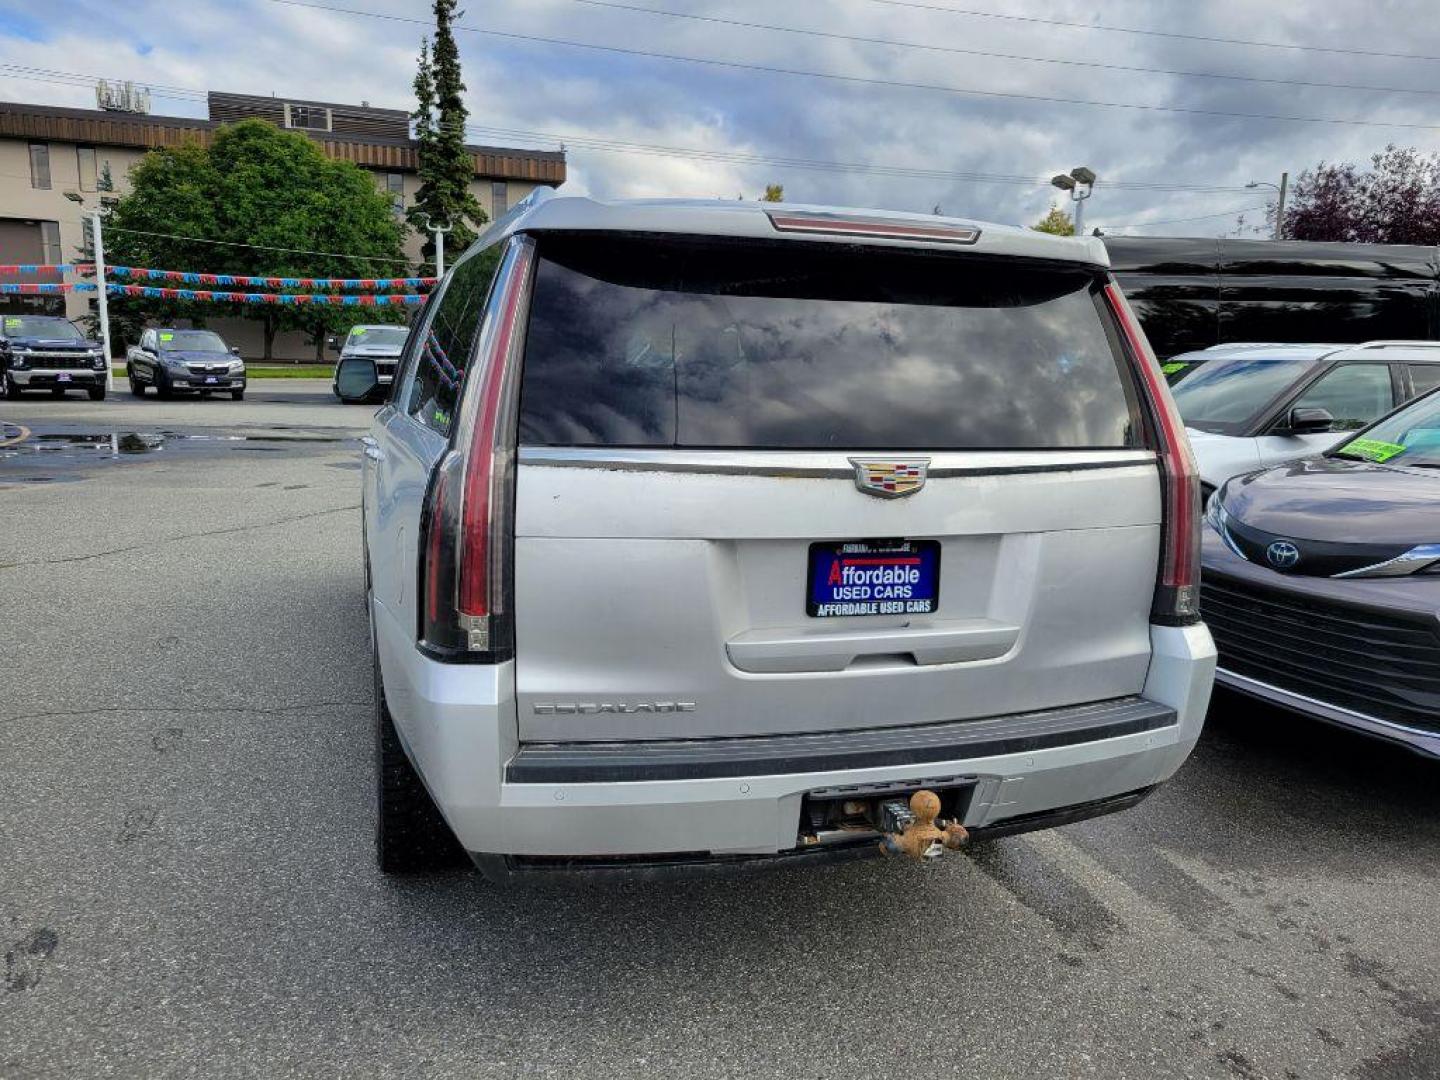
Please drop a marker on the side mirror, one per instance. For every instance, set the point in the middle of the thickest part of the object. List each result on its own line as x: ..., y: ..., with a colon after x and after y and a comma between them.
x: 1308, y: 421
x: 148, y: 349
x: 235, y: 350
x: 357, y: 379
x: 332, y: 344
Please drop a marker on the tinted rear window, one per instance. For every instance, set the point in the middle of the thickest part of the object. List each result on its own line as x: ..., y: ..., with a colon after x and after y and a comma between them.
x: 654, y: 342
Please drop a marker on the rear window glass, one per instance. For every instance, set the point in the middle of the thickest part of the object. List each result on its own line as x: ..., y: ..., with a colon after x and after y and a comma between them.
x: 654, y: 342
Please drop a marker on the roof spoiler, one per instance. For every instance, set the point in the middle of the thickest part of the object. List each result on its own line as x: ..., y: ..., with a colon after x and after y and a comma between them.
x: 882, y: 228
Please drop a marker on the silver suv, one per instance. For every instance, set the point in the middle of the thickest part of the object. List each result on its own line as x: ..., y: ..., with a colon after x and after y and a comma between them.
x: 707, y: 531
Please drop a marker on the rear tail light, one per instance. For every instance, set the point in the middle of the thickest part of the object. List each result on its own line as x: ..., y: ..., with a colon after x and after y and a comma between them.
x: 465, y: 572
x: 1177, y: 589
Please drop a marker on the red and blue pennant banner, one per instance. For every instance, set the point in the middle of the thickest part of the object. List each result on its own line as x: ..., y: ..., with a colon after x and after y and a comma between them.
x: 316, y: 299
x: 34, y: 290
x: 35, y: 268
x: 348, y: 284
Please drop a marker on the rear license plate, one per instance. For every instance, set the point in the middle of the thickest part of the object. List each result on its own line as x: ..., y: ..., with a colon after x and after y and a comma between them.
x: 873, y: 577
x: 62, y: 378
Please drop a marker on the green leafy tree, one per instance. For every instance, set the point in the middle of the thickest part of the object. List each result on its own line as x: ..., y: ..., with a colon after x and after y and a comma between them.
x: 255, y: 191
x: 446, y: 167
x: 773, y: 193
x: 1056, y: 223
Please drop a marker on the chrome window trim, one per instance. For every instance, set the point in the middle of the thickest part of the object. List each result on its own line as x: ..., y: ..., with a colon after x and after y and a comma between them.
x: 826, y: 464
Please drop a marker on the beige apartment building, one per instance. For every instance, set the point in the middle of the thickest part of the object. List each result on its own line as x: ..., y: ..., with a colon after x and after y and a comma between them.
x: 52, y: 156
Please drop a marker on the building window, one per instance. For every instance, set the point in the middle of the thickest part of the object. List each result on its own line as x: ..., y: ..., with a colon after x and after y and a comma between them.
x: 50, y: 242
x: 85, y: 158
x: 395, y: 187
x: 499, y: 199
x: 40, y: 165
x: 307, y: 117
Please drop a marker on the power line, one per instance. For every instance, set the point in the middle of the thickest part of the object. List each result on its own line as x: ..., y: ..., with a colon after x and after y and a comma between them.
x: 860, y: 80
x: 895, y: 43
x: 741, y: 157
x: 606, y: 145
x: 1151, y: 33
x: 1180, y: 221
x: 257, y: 247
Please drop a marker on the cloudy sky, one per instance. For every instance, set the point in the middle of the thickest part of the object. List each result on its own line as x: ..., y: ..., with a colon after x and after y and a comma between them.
x: 906, y: 104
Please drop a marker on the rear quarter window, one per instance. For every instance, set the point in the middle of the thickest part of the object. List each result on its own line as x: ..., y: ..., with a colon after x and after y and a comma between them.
x: 659, y: 342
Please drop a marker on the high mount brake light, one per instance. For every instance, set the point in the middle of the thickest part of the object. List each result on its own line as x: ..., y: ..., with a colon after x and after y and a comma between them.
x: 1177, y: 588
x: 470, y: 507
x: 876, y: 227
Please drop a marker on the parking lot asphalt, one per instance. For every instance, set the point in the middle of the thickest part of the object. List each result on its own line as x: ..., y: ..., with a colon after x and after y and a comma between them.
x: 187, y: 884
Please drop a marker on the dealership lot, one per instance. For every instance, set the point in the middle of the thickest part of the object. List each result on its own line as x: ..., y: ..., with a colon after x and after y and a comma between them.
x: 187, y: 882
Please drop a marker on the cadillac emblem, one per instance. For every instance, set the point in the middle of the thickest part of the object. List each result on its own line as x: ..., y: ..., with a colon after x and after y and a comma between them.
x: 890, y: 478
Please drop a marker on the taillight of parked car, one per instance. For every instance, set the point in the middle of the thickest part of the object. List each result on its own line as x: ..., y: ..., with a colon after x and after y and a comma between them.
x: 1177, y: 591
x: 467, y: 564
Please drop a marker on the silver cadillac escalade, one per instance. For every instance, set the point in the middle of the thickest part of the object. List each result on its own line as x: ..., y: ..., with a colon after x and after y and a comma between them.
x: 699, y: 532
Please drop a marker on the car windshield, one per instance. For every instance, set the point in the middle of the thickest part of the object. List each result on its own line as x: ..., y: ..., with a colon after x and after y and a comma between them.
x: 41, y: 326
x: 377, y: 335
x: 191, y: 340
x: 1225, y: 394
x: 1408, y: 437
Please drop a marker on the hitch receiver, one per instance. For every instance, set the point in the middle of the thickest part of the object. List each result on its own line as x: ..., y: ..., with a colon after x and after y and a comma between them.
x: 921, y: 838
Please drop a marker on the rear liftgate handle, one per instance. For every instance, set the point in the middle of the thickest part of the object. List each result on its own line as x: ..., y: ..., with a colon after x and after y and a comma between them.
x: 921, y: 839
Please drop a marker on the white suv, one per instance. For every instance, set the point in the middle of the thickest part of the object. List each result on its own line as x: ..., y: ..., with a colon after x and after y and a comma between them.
x: 704, y: 531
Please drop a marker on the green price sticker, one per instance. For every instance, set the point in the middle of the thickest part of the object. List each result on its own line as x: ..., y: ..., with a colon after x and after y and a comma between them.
x: 1170, y: 369
x: 1373, y: 449
x: 11, y: 324
x: 167, y: 337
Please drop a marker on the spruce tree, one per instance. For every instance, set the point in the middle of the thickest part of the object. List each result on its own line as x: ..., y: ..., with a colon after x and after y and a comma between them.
x: 445, y: 165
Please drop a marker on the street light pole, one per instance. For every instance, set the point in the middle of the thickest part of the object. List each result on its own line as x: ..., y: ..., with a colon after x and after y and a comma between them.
x: 103, y: 298
x: 1080, y: 183
x: 1281, y: 190
x: 439, y: 232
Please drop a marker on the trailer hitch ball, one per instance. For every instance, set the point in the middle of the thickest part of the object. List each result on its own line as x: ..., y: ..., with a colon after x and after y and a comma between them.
x: 922, y: 838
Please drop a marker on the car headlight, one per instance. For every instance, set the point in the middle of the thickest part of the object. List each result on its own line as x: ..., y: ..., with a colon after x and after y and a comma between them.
x: 1215, y: 515
x: 237, y: 367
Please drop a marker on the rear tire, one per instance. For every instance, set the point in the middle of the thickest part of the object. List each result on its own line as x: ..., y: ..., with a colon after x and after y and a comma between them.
x: 410, y: 835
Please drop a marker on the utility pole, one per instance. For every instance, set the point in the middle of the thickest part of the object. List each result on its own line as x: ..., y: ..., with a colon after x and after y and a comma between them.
x: 1280, y: 205
x: 103, y: 298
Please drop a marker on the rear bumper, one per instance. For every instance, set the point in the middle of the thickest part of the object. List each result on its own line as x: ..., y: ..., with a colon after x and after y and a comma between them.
x: 458, y: 724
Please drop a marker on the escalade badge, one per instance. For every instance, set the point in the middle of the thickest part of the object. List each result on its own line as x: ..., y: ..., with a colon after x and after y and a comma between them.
x: 890, y: 478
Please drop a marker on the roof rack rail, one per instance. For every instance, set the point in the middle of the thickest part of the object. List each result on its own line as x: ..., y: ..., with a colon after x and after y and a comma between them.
x: 1397, y: 343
